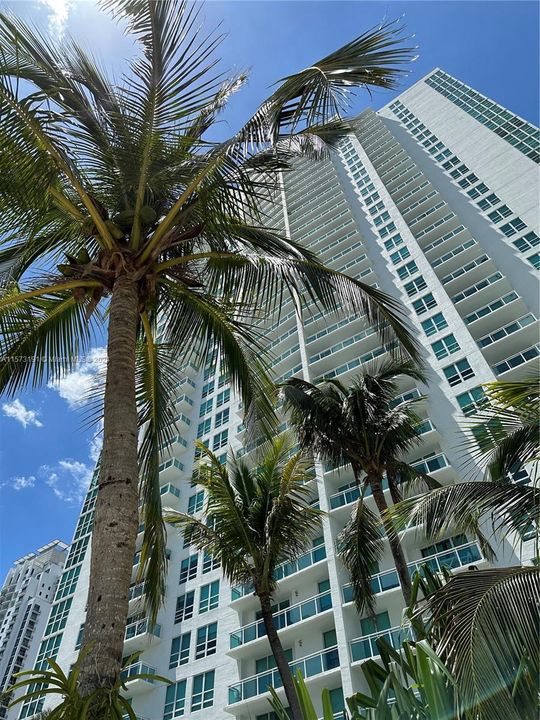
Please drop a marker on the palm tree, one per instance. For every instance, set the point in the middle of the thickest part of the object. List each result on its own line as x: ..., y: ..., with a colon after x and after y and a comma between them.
x: 117, y: 208
x: 360, y: 425
x: 254, y: 519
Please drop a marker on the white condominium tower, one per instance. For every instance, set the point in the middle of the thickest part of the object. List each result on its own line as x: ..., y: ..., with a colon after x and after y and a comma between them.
x: 25, y: 601
x: 433, y: 199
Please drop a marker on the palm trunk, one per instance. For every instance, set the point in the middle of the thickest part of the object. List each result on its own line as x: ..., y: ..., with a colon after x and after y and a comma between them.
x: 375, y: 482
x: 279, y: 656
x: 116, y: 513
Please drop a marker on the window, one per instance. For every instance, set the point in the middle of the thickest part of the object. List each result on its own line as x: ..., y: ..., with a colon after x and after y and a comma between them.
x: 375, y: 623
x: 223, y: 397
x: 470, y: 401
x: 498, y: 215
x: 468, y: 181
x: 535, y: 260
x: 203, y: 691
x: 458, y: 372
x: 415, y: 286
x: 206, y: 407
x: 209, y: 563
x: 58, y: 617
x: 180, y: 650
x: 220, y: 440
x: 196, y: 502
x: 208, y: 388
x: 424, y: 304
x: 434, y: 324
x: 175, y: 701
x: 512, y: 227
x: 445, y: 346
x: 188, y: 568
x: 204, y: 427
x: 222, y: 418
x: 408, y: 270
x: 184, y: 607
x: 209, y: 598
x: 488, y: 202
x: 443, y: 545
x: 477, y: 191
x: 400, y: 255
x: 387, y: 229
x: 393, y: 242
x: 206, y: 641
x: 527, y: 242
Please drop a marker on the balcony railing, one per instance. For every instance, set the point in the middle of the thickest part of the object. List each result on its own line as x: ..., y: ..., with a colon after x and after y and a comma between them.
x: 138, y: 668
x: 309, y: 666
x: 431, y: 464
x: 289, y: 616
x: 284, y: 570
x: 141, y: 627
x: 365, y: 647
x: 460, y: 556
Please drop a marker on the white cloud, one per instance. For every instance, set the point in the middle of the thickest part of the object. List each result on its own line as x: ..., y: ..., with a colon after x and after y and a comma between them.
x: 58, y: 13
x: 17, y: 411
x: 21, y: 483
x: 69, y: 479
x: 76, y: 387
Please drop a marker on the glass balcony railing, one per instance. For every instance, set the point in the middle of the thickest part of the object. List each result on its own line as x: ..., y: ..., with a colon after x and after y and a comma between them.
x: 431, y: 464
x: 137, y: 669
x: 141, y: 627
x: 173, y: 462
x: 169, y: 488
x: 351, y: 494
x: 284, y: 570
x: 516, y: 360
x: 365, y: 647
x: 309, y: 666
x: 289, y: 616
x: 453, y: 558
x: 136, y: 591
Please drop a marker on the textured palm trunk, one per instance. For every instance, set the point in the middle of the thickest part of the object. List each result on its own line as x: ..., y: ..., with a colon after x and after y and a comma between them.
x: 116, y: 513
x: 279, y: 656
x: 375, y: 482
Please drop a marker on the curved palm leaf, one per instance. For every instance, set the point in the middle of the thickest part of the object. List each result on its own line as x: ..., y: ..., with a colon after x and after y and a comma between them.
x: 488, y: 624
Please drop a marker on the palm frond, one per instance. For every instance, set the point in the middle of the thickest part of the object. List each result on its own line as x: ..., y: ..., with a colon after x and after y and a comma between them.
x: 489, y: 624
x: 361, y: 547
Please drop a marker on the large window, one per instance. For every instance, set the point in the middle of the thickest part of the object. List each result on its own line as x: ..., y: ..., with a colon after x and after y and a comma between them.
x: 180, y: 650
x: 433, y: 324
x: 175, y: 701
x: 203, y: 691
x: 458, y: 372
x: 184, y: 607
x: 196, y: 502
x: 424, y: 304
x: 188, y: 568
x: 206, y: 641
x: 445, y: 346
x: 209, y: 598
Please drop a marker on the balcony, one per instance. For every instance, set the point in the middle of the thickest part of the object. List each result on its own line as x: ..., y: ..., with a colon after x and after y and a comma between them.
x: 170, y: 469
x: 285, y: 570
x: 139, y: 635
x: 520, y: 360
x: 457, y: 557
x: 309, y: 666
x: 365, y: 647
x: 285, y: 618
x: 431, y: 463
x: 136, y: 686
x: 169, y: 495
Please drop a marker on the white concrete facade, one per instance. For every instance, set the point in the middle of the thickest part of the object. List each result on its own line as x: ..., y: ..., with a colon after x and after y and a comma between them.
x: 433, y: 207
x: 26, y: 598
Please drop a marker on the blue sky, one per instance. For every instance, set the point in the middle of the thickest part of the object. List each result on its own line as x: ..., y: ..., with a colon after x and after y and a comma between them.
x: 46, y: 449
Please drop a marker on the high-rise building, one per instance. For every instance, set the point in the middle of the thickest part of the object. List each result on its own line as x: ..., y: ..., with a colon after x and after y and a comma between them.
x: 433, y: 199
x: 25, y: 601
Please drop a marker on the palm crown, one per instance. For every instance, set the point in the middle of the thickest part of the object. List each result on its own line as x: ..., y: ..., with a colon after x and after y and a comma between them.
x: 116, y: 207
x: 361, y: 425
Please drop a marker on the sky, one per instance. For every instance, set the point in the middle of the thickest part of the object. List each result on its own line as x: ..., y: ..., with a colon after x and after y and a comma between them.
x: 47, y: 449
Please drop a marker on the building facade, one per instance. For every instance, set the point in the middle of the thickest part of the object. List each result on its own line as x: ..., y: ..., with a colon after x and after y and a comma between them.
x: 25, y: 601
x: 432, y: 199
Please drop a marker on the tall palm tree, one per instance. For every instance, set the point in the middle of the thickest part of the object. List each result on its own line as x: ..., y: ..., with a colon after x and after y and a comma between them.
x: 117, y: 208
x: 360, y: 425
x: 254, y: 519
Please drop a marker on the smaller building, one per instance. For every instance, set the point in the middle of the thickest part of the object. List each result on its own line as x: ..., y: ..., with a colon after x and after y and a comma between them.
x: 25, y: 601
